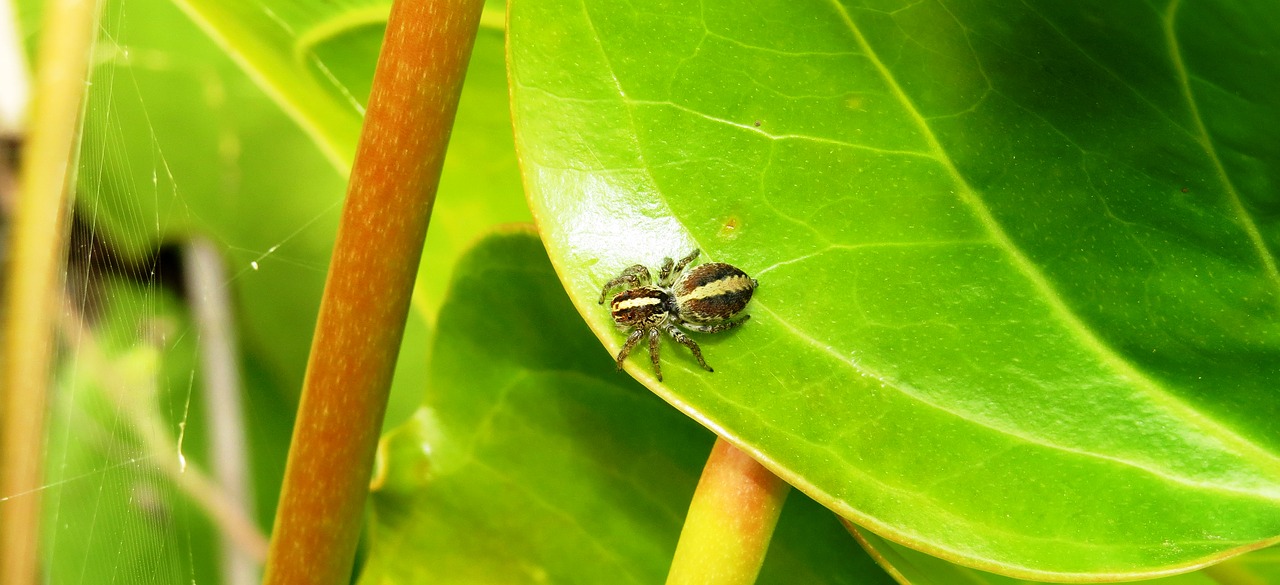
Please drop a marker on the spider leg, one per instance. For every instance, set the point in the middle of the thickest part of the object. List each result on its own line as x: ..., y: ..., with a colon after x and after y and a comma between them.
x: 680, y: 337
x: 679, y: 267
x: 631, y: 342
x: 655, y: 335
x: 637, y: 275
x: 716, y: 327
x: 664, y: 276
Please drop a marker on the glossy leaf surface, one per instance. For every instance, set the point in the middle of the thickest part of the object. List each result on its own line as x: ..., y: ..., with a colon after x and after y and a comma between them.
x: 533, y: 461
x: 1019, y: 304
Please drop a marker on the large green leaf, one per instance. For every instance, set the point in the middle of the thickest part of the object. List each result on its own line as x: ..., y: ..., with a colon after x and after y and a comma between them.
x: 533, y: 461
x: 1018, y: 299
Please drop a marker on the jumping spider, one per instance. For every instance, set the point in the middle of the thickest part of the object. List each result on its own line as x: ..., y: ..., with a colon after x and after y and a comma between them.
x: 704, y: 299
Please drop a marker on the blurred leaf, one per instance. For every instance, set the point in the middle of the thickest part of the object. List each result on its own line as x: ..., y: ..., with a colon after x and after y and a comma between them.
x: 294, y: 51
x: 1255, y: 568
x: 533, y: 461
x: 315, y: 57
x: 1019, y: 303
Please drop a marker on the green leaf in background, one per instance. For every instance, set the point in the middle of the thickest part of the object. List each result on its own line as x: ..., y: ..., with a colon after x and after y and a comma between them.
x: 1257, y: 567
x: 277, y: 43
x: 1019, y: 305
x: 533, y: 461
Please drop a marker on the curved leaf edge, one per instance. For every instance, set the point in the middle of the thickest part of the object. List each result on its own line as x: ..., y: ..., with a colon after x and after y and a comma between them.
x: 888, y: 566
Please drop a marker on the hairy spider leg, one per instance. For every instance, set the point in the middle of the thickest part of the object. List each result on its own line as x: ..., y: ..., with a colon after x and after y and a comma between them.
x: 664, y: 275
x: 632, y: 340
x: 715, y: 328
x: 679, y: 336
x: 637, y: 275
x: 655, y: 336
x: 674, y: 273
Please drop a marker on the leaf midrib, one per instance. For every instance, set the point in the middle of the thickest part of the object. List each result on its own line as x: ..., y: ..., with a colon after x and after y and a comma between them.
x: 1039, y: 282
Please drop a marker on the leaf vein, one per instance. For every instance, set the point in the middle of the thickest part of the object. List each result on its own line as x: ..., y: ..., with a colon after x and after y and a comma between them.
x: 1072, y: 322
x: 1206, y: 143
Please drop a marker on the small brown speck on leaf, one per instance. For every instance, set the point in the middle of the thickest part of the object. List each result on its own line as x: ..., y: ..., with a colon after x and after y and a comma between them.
x: 730, y: 228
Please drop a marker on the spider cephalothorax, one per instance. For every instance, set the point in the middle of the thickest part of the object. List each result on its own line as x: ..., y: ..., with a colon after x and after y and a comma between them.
x: 704, y: 299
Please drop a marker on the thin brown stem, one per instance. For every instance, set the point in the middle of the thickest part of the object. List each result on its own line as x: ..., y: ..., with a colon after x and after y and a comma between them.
x: 366, y: 297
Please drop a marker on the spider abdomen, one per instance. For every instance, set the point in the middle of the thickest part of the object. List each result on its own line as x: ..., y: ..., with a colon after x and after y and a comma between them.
x: 712, y: 293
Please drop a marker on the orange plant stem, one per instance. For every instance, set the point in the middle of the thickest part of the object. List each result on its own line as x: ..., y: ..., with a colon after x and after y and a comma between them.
x: 366, y: 297
x: 730, y: 521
